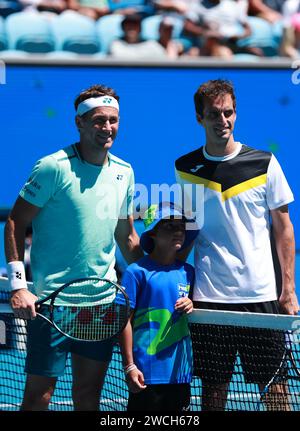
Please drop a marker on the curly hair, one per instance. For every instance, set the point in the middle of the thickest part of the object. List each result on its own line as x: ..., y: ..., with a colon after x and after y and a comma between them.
x: 212, y: 89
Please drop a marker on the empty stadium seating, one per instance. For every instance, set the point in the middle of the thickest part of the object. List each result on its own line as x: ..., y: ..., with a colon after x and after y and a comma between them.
x: 264, y: 35
x: 108, y: 28
x: 76, y: 33
x: 30, y: 32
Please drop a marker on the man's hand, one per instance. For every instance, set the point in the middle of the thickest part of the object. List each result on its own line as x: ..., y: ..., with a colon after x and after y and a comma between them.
x: 289, y: 303
x: 23, y: 304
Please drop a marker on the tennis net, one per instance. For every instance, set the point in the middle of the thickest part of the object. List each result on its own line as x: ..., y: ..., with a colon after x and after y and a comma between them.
x: 242, y: 361
x: 12, y: 358
x: 245, y: 361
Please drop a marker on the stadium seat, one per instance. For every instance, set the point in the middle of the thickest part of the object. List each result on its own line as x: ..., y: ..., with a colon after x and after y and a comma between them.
x: 3, y: 39
x: 108, y: 28
x: 29, y: 31
x: 264, y: 35
x: 277, y: 30
x: 13, y: 53
x: 8, y: 7
x: 76, y: 33
x: 61, y: 55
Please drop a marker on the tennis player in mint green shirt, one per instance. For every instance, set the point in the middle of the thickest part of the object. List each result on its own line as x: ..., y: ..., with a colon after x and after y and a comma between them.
x: 80, y: 202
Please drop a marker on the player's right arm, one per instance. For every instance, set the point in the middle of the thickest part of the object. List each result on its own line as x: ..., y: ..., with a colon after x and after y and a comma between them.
x: 20, y: 217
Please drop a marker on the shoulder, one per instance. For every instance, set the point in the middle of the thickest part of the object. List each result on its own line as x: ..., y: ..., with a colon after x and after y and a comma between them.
x: 253, y: 153
x: 188, y: 160
x: 122, y: 170
x: 249, y: 163
x: 140, y: 265
x: 132, y: 268
x: 55, y: 159
x: 65, y: 155
x: 46, y: 164
x: 134, y: 273
x: 117, y: 162
x: 186, y: 266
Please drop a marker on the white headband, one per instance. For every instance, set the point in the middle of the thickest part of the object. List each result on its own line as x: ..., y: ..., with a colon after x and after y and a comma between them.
x: 95, y: 102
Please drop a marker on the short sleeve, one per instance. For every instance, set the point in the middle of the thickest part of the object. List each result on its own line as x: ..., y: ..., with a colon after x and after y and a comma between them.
x: 40, y: 186
x: 130, y: 284
x: 278, y: 190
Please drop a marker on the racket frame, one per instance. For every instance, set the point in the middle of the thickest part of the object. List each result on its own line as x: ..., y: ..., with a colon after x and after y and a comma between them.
x: 52, y: 306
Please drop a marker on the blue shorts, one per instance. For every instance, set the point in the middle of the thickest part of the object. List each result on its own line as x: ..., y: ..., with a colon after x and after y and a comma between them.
x: 47, y: 349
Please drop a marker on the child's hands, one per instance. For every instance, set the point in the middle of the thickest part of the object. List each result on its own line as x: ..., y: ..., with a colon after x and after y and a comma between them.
x: 184, y: 305
x: 135, y: 381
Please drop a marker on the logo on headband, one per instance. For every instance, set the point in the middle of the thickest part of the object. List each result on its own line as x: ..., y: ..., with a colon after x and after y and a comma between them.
x: 107, y: 100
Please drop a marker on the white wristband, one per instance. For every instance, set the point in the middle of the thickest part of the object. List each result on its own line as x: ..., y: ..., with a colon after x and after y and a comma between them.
x: 130, y: 368
x: 16, y: 275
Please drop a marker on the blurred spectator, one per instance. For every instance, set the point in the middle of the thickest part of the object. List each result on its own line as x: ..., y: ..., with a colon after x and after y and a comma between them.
x: 94, y: 9
x: 178, y: 6
x: 290, y: 8
x: 51, y: 6
x: 172, y: 47
x: 291, y: 34
x: 270, y: 10
x: 218, y: 25
x: 132, y: 46
x: 55, y: 6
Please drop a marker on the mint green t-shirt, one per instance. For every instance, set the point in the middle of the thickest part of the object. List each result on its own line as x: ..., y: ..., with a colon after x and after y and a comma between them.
x: 73, y: 234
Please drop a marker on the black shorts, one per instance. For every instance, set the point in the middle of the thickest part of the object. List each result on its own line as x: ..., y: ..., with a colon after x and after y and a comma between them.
x: 159, y: 398
x: 215, y: 347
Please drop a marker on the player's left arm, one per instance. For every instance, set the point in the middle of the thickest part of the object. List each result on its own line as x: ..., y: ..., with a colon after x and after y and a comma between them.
x: 128, y: 240
x: 285, y: 246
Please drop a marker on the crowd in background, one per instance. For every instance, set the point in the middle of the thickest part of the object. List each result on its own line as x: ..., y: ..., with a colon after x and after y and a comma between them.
x: 219, y: 28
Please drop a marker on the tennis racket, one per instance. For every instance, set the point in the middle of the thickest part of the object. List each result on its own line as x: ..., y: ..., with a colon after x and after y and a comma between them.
x: 87, y: 309
x: 277, y: 395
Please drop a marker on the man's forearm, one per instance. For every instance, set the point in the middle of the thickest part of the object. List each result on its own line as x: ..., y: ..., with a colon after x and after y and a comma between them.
x: 14, y: 241
x: 285, y: 246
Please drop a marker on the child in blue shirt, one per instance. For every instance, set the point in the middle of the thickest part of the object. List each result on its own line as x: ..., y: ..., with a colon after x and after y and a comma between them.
x: 156, y: 344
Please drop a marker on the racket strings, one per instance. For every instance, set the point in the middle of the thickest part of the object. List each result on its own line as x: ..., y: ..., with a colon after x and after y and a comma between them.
x: 89, y: 323
x: 89, y: 310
